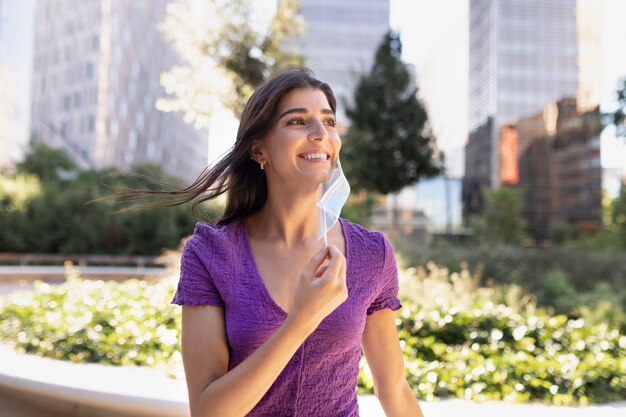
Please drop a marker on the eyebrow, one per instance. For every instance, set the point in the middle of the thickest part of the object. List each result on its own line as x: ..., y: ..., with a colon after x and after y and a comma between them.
x: 303, y: 110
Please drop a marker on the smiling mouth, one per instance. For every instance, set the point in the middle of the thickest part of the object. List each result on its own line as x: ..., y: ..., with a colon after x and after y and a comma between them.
x: 315, y: 157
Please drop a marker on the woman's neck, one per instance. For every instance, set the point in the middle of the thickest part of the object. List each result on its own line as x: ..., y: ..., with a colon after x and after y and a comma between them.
x: 289, y: 219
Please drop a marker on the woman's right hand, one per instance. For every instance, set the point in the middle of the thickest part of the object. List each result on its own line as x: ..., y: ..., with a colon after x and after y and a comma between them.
x: 321, y: 289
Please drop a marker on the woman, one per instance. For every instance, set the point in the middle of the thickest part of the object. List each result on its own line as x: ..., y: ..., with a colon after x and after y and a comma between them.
x: 273, y: 321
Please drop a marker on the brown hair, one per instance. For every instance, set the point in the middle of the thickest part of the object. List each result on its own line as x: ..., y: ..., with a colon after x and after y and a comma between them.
x: 236, y: 174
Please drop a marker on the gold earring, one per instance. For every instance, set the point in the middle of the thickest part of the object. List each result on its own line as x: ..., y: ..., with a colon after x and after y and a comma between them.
x: 262, y: 164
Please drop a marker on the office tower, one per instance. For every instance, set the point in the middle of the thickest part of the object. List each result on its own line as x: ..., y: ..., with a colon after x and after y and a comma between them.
x: 523, y: 55
x: 16, y: 39
x: 560, y: 175
x: 340, y: 40
x: 95, y: 83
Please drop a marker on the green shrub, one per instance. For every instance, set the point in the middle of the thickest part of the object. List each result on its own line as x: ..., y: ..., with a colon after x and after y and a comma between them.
x: 129, y: 323
x: 50, y: 193
x: 504, y: 264
x: 570, y: 281
x: 459, y: 340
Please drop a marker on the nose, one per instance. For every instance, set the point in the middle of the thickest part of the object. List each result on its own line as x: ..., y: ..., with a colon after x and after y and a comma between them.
x: 318, y: 131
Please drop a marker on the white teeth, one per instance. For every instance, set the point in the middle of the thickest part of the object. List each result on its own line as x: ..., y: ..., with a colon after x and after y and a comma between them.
x: 315, y: 156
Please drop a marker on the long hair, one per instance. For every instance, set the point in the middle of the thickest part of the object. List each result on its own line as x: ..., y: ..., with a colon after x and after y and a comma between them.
x: 236, y: 174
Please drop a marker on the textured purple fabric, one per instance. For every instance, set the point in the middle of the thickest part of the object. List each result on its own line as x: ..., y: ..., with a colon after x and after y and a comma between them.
x: 218, y: 268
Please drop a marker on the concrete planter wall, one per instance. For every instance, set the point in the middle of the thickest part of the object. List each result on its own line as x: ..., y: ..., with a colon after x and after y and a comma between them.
x: 31, y: 386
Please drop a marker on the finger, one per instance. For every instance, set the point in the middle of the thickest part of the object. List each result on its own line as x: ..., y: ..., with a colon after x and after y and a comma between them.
x: 336, y: 260
x: 321, y: 271
x: 342, y: 271
x: 315, y: 262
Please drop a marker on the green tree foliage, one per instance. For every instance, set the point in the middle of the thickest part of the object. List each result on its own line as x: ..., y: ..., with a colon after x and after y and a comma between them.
x: 48, y: 164
x: 502, y: 220
x: 226, y: 57
x: 618, y: 216
x: 44, y: 209
x: 618, y: 117
x: 389, y: 144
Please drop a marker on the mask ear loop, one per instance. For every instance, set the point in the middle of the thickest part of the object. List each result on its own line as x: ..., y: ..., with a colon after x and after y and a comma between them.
x: 325, y: 230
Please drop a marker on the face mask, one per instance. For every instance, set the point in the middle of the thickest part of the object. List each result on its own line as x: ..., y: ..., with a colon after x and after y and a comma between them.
x: 334, y: 193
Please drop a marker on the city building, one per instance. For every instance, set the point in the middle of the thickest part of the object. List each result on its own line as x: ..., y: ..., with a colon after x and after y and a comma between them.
x: 339, y: 41
x: 95, y: 82
x: 16, y: 48
x: 523, y: 55
x: 559, y: 173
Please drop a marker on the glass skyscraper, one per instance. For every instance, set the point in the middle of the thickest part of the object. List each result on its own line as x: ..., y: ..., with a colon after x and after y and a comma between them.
x: 524, y: 54
x: 340, y: 40
x: 16, y: 38
x: 96, y: 74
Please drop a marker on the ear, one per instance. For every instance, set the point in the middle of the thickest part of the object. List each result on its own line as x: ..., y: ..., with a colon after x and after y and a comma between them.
x: 256, y: 150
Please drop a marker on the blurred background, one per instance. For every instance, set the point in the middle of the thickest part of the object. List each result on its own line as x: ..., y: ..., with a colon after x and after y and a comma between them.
x: 486, y: 138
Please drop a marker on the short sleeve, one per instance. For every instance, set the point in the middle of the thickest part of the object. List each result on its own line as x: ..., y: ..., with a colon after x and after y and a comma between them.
x: 388, y: 282
x: 196, y: 286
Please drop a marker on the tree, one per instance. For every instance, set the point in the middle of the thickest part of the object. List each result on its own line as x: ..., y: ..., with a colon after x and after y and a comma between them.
x: 389, y: 144
x: 49, y: 164
x: 502, y: 220
x: 618, y: 216
x: 618, y: 117
x: 226, y: 57
x: 52, y: 206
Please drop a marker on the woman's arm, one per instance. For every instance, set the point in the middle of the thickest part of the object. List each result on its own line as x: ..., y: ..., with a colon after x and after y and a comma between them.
x: 213, y: 391
x: 384, y: 357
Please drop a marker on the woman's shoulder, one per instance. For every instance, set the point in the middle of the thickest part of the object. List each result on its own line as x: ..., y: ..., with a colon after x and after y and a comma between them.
x: 211, y: 237
x: 370, y: 245
x: 358, y: 231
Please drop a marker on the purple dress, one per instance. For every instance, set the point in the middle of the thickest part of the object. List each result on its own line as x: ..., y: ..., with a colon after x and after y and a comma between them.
x: 218, y: 268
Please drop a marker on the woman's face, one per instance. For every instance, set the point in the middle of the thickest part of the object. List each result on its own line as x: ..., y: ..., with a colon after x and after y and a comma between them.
x: 303, y: 144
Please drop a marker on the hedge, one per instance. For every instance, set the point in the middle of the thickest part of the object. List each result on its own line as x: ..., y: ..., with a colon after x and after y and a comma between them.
x: 459, y: 340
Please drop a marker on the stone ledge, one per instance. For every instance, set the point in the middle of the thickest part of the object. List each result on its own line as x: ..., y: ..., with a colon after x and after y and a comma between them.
x: 123, y: 391
x: 32, y: 386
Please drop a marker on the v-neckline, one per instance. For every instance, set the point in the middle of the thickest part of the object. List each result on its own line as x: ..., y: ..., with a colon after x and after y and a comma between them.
x: 257, y: 273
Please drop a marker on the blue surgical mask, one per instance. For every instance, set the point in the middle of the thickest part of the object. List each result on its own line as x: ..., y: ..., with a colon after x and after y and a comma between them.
x: 334, y: 194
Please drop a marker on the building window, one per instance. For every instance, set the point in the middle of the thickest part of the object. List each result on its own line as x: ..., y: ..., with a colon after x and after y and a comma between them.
x: 123, y: 109
x: 67, y: 102
x: 115, y: 128
x: 110, y: 101
x: 128, y: 158
x: 147, y: 103
x: 126, y: 36
x: 113, y: 78
x: 132, y: 139
x: 91, y: 123
x: 89, y: 71
x: 136, y: 69
x: 139, y: 118
x: 132, y: 89
x: 77, y: 100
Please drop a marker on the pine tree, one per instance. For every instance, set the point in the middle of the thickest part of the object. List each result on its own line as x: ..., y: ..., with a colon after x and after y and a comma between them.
x: 389, y: 144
